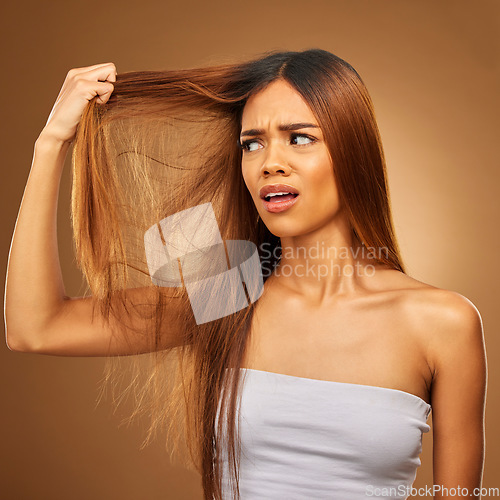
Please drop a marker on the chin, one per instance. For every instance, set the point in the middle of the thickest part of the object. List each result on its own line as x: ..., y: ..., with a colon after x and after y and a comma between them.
x: 284, y: 229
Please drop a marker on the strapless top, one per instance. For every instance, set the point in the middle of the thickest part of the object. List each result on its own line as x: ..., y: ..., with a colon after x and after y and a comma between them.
x: 305, y: 438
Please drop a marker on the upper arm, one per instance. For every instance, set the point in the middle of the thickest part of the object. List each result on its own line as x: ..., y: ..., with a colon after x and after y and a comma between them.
x: 79, y: 329
x: 458, y: 393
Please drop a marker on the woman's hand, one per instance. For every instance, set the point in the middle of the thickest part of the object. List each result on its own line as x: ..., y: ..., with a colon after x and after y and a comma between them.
x: 80, y: 86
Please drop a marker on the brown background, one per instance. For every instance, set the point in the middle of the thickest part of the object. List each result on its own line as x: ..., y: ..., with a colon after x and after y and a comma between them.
x: 433, y: 71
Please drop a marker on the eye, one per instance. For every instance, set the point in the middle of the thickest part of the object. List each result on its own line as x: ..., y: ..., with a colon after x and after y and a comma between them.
x: 249, y: 145
x: 302, y: 139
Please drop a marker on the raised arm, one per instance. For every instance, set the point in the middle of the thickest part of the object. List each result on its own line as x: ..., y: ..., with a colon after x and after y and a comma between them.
x: 39, y: 316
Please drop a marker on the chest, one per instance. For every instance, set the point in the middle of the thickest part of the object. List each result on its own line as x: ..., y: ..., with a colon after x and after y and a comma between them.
x: 352, y: 343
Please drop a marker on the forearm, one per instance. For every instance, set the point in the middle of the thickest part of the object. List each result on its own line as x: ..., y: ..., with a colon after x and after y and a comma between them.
x: 34, y: 286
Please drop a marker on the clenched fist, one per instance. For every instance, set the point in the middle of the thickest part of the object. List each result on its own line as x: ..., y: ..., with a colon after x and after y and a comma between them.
x: 80, y: 86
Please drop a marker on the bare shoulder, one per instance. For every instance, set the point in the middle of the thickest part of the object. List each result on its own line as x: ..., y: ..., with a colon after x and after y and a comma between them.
x: 441, y: 304
x: 449, y: 328
x: 429, y: 303
x: 444, y: 320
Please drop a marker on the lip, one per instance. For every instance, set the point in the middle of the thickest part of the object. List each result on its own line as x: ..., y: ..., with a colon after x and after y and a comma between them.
x: 276, y: 188
x: 278, y: 206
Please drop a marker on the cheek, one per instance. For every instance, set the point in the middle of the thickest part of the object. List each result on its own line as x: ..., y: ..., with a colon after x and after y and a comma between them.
x: 321, y: 173
x: 326, y: 186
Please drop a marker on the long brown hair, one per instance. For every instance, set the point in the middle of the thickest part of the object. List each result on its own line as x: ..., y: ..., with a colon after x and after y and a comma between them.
x: 167, y: 141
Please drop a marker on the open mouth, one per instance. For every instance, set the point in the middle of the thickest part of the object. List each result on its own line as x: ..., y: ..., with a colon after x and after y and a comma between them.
x: 280, y: 197
x: 279, y: 202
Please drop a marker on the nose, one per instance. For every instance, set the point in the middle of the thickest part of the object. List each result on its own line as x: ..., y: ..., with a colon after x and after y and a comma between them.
x: 275, y: 163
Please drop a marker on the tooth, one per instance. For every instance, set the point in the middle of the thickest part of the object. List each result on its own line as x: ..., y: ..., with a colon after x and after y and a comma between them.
x: 276, y: 194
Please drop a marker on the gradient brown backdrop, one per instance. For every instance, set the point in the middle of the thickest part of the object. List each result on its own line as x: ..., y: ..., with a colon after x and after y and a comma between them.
x: 433, y: 71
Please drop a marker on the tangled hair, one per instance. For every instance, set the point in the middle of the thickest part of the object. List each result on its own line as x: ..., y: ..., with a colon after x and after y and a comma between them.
x: 167, y: 141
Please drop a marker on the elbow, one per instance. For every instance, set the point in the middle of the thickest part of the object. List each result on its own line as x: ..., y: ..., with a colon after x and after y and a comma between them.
x: 22, y: 333
x: 14, y: 344
x: 17, y: 343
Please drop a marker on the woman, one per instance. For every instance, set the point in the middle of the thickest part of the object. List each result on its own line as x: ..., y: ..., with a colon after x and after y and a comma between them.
x: 342, y: 355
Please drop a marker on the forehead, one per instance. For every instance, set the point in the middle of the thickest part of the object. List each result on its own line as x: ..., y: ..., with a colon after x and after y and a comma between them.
x: 278, y: 103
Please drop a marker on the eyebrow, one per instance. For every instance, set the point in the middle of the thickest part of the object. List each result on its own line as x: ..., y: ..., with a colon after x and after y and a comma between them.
x: 285, y: 127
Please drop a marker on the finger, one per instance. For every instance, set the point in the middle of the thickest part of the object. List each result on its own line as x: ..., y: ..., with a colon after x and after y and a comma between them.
x: 85, y: 69
x: 103, y: 91
x: 104, y: 72
x: 101, y: 73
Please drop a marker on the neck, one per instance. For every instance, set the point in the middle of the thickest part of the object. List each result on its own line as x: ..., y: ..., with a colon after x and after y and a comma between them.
x: 324, y: 264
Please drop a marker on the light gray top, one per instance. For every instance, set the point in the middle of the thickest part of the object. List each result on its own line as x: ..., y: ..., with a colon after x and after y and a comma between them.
x: 306, y: 438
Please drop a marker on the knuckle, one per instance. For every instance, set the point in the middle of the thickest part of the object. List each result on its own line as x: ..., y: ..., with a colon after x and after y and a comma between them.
x: 79, y: 82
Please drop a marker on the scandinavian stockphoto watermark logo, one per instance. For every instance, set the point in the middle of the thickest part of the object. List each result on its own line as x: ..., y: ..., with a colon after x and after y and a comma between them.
x: 186, y: 249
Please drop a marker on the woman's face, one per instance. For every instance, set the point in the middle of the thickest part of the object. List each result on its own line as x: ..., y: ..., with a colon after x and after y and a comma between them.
x: 283, y: 143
